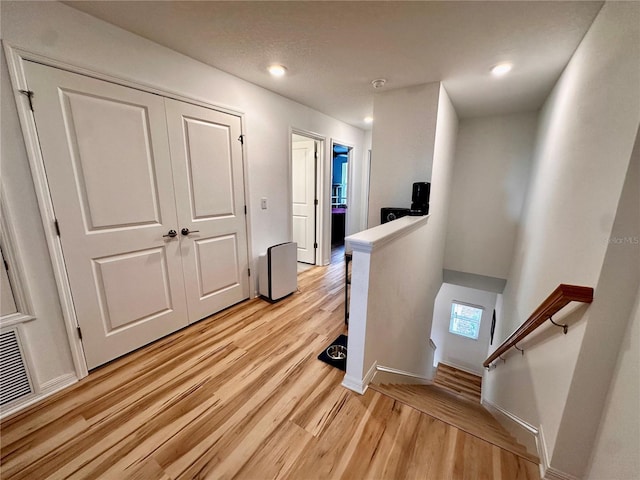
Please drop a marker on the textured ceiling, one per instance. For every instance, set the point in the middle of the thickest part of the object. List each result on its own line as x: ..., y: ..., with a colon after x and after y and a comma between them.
x: 333, y: 50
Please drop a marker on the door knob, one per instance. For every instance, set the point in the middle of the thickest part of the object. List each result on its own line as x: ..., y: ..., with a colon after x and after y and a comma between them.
x: 171, y: 233
x: 186, y: 231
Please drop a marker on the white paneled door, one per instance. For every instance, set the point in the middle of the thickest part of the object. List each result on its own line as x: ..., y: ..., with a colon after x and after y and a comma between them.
x: 303, y: 195
x: 111, y: 177
x: 209, y: 188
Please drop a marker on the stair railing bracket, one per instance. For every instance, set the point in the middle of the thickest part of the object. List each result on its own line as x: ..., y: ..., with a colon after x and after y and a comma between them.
x: 521, y: 350
x: 565, y: 328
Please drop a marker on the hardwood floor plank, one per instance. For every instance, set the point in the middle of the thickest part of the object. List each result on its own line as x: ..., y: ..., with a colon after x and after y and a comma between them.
x: 275, y: 457
x: 195, y: 453
x: 242, y: 395
x: 322, y: 404
x: 391, y: 458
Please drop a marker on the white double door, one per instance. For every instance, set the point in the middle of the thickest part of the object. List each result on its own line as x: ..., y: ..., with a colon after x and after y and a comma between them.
x: 149, y: 196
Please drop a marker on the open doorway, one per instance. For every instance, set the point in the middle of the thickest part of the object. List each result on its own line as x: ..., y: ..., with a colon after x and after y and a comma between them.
x: 340, y: 172
x: 304, y: 196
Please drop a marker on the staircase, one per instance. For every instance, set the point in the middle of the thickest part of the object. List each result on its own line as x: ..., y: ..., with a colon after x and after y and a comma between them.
x: 458, y: 381
x: 454, y: 398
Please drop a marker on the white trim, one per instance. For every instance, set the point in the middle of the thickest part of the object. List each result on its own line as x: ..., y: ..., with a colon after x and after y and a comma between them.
x: 538, y: 435
x: 322, y: 257
x: 22, y: 54
x: 56, y: 384
x: 395, y: 371
x: 251, y: 262
x: 357, y: 385
x: 348, y: 220
x: 553, y: 474
x: 547, y: 472
x: 15, y: 319
x: 521, y: 423
x: 13, y: 255
x: 46, y: 390
x: 30, y: 135
x: 376, y: 237
x: 542, y: 453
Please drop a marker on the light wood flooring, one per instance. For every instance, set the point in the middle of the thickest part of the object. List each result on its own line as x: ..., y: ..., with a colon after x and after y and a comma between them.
x: 458, y: 411
x: 242, y: 395
x: 463, y: 383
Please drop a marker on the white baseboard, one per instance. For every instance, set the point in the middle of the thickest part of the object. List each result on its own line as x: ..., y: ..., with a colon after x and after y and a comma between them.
x: 46, y: 389
x: 357, y: 385
x: 547, y: 472
x: 57, y: 384
x: 553, y: 474
x: 529, y: 435
x: 388, y: 375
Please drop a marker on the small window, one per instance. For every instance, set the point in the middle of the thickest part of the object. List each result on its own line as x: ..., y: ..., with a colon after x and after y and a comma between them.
x: 465, y: 320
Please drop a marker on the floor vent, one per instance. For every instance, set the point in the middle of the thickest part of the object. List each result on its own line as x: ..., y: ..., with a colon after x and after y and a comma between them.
x: 14, y: 377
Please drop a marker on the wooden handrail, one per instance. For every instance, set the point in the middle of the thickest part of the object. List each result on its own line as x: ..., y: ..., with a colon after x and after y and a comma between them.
x: 555, y: 302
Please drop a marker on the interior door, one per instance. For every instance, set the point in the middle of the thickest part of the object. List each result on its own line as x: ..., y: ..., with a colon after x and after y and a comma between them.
x: 303, y: 194
x: 206, y: 155
x: 106, y: 155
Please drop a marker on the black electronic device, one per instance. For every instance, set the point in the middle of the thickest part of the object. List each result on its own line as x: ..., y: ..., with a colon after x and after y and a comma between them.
x: 387, y: 214
x: 420, y: 198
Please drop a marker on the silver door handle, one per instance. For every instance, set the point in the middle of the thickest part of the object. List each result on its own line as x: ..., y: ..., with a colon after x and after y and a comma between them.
x: 171, y: 233
x: 186, y: 231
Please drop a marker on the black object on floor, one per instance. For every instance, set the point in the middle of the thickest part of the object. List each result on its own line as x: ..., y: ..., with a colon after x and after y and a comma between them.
x: 341, y: 364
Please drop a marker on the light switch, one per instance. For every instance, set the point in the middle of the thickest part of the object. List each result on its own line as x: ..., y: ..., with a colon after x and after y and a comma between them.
x: 263, y: 203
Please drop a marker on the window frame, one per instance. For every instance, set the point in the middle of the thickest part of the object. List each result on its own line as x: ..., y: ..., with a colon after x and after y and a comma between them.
x: 451, y: 318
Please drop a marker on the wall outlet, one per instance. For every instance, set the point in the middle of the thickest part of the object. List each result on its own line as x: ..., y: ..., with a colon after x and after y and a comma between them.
x: 263, y: 203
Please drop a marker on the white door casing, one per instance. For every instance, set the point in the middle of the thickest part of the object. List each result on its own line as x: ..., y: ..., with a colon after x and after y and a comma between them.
x: 303, y: 196
x: 106, y: 155
x: 206, y: 156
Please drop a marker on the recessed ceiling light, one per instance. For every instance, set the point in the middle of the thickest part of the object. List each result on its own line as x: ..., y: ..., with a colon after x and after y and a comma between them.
x: 277, y: 70
x: 379, y: 83
x: 501, y: 69
x: 368, y: 119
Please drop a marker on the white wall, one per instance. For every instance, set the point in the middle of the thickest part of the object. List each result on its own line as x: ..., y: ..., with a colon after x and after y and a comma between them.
x: 402, y: 145
x: 394, y: 288
x: 455, y: 349
x: 490, y: 178
x: 390, y: 314
x: 606, y: 323
x: 441, y: 179
x: 57, y: 31
x: 615, y: 453
x: 585, y: 139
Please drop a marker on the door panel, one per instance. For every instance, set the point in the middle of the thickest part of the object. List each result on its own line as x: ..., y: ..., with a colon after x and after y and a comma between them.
x: 108, y: 137
x: 206, y: 171
x: 222, y: 252
x: 105, y: 150
x: 208, y: 175
x: 132, y: 287
x: 303, y: 195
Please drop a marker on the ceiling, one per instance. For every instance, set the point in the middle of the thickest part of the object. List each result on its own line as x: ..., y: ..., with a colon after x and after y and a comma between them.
x: 333, y: 50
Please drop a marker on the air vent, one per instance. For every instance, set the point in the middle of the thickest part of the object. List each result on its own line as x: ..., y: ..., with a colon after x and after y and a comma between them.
x: 14, y: 377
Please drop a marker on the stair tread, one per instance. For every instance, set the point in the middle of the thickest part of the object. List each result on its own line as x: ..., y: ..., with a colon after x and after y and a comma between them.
x: 463, y: 378
x: 459, y: 381
x: 457, y: 410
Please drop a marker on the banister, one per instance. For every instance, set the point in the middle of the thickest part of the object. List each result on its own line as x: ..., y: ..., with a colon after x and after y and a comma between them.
x: 555, y: 302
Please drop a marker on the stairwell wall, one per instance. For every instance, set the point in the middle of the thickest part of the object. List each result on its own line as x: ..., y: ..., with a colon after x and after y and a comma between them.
x: 585, y: 138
